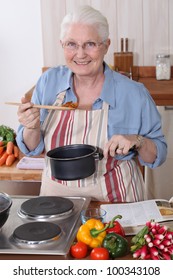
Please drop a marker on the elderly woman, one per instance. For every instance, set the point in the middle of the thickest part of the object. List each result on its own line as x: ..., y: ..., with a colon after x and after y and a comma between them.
x: 114, y: 113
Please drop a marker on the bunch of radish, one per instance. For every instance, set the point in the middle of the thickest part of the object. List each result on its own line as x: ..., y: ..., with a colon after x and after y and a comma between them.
x: 153, y: 242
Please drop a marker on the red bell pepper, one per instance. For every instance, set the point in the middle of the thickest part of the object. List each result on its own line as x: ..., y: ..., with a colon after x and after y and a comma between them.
x: 115, y: 226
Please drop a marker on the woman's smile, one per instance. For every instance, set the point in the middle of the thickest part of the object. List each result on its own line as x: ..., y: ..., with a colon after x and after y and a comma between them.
x: 82, y: 63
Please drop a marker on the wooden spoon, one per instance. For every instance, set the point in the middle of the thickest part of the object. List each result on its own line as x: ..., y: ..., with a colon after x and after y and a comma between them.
x: 49, y: 107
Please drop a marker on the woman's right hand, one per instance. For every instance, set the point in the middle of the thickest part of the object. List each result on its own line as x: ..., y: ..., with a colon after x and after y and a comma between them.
x: 28, y: 116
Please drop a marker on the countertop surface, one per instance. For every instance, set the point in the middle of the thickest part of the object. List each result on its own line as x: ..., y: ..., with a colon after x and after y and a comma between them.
x: 161, y: 91
x: 12, y: 173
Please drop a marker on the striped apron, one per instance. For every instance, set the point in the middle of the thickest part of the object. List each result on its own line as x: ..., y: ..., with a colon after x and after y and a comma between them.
x: 119, y: 181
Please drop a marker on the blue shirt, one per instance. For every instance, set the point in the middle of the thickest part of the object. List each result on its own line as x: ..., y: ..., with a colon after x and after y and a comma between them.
x: 131, y: 108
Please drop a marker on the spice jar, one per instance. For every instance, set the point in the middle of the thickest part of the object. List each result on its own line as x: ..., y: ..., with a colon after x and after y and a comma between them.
x: 163, y: 67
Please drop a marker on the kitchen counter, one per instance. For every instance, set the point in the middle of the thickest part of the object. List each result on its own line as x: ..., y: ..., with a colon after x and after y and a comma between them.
x: 56, y: 257
x: 161, y: 91
x: 12, y: 173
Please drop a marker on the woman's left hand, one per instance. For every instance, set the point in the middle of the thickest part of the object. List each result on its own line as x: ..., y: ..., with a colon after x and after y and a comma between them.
x: 119, y: 144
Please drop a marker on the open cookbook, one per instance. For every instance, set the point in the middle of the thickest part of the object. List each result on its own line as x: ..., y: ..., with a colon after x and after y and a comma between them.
x: 136, y: 214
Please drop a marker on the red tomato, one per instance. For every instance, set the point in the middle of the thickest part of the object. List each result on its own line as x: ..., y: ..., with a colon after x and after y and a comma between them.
x: 99, y: 253
x: 79, y: 250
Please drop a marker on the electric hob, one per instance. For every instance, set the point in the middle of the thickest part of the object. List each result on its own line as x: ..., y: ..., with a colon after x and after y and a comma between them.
x: 41, y: 225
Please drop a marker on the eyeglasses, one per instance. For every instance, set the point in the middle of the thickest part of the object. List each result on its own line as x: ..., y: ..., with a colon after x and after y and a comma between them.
x: 87, y: 46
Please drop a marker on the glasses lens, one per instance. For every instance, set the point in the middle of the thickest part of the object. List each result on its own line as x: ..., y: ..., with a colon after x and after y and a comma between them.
x: 70, y: 45
x: 87, y: 46
x: 90, y: 46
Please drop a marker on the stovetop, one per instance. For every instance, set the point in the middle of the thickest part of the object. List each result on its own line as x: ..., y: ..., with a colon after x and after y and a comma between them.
x: 68, y: 225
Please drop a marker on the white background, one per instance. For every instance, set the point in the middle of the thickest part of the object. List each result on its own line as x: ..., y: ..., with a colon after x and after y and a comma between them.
x: 105, y: 269
x: 21, y: 53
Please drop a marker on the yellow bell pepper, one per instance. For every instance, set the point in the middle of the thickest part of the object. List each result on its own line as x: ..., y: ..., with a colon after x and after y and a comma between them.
x: 92, y: 233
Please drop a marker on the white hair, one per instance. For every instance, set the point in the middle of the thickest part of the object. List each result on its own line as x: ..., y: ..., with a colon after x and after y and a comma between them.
x: 86, y: 15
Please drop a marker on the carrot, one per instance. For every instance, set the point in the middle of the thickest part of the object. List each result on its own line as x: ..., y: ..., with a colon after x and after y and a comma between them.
x: 10, y: 147
x: 3, y: 158
x: 1, y: 150
x: 1, y: 143
x: 10, y: 159
x: 16, y: 151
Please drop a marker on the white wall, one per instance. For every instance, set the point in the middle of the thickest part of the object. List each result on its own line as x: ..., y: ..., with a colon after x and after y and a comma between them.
x: 147, y: 24
x: 21, y: 53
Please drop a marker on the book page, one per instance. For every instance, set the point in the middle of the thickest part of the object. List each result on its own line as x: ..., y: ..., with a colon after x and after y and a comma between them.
x: 165, y: 208
x: 134, y: 214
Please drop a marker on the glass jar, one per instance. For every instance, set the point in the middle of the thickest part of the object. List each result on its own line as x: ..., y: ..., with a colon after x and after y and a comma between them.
x: 163, y: 67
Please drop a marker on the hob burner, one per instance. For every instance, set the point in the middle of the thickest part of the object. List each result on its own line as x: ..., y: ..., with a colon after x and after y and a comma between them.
x: 36, y: 233
x: 44, y: 207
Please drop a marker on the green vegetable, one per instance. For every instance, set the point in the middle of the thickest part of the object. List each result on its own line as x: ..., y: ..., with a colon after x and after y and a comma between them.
x: 139, y: 235
x: 116, y: 244
x: 138, y: 240
x: 7, y: 134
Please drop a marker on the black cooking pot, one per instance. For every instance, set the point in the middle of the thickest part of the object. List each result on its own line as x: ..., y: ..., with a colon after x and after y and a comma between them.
x: 5, y: 205
x: 74, y: 162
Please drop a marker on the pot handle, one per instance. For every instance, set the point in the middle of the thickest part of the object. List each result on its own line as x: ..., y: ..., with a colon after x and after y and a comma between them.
x: 98, y: 154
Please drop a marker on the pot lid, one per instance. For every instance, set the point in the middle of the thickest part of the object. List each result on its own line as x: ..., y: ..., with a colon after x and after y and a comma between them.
x: 5, y: 202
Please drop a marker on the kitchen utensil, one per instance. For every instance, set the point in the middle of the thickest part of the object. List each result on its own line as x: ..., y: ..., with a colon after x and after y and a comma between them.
x: 5, y: 205
x: 49, y: 107
x: 93, y: 213
x: 123, y: 60
x: 73, y: 162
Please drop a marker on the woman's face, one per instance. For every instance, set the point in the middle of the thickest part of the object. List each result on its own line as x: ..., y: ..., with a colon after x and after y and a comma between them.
x: 83, y: 49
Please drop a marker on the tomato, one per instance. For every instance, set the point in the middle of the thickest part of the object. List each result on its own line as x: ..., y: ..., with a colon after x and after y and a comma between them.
x: 99, y: 253
x: 79, y: 250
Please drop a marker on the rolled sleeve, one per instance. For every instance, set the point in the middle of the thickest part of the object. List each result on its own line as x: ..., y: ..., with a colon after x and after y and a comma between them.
x: 20, y: 142
x: 161, y: 155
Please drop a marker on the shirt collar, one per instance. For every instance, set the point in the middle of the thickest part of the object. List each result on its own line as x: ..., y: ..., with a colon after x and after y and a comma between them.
x: 108, y: 90
x: 66, y: 80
